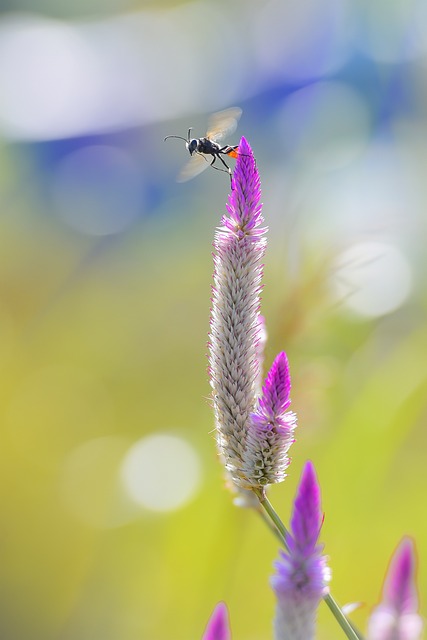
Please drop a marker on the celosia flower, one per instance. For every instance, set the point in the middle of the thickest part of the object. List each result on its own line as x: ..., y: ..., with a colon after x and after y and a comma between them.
x: 270, y: 432
x: 218, y: 627
x: 301, y: 575
x: 236, y: 337
x: 396, y: 618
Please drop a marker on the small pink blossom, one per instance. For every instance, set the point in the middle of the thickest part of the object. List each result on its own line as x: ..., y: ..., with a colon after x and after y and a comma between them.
x: 396, y: 617
x: 270, y: 433
x: 218, y: 627
x: 301, y: 575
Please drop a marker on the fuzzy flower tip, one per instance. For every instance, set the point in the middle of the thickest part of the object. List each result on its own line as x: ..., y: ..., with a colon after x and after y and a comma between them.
x: 396, y: 617
x: 218, y: 627
x: 301, y: 575
x: 254, y: 431
x: 244, y: 207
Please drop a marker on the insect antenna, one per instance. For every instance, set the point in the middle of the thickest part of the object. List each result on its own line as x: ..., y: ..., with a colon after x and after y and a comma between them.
x: 179, y: 137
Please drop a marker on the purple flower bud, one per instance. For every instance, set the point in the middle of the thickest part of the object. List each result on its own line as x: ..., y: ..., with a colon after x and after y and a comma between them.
x: 396, y: 617
x: 218, y: 627
x: 271, y: 430
x: 301, y: 575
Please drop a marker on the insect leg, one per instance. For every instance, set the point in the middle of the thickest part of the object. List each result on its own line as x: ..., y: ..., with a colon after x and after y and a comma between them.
x: 233, y: 152
x: 228, y: 170
x: 225, y: 164
x: 215, y: 156
x: 229, y: 151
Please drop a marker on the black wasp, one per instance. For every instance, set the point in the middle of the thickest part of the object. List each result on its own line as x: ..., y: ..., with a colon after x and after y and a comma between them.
x: 221, y: 124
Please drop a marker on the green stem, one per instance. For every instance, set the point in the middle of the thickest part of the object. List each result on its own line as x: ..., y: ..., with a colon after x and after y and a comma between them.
x: 268, y: 507
x: 330, y: 601
x: 341, y: 618
x: 268, y: 523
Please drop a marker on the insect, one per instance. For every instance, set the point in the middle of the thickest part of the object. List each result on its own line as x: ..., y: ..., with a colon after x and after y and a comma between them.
x: 221, y: 124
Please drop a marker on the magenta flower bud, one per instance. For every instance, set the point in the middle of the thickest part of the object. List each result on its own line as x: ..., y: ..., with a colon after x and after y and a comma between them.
x: 252, y: 449
x: 396, y: 617
x: 218, y: 627
x: 301, y: 575
x: 270, y: 432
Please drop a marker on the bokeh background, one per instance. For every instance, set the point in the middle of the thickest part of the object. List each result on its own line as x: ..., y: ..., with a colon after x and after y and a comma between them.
x: 115, y: 523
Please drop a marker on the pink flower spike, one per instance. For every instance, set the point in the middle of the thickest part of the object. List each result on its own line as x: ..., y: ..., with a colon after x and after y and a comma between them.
x: 270, y: 433
x: 254, y: 432
x: 396, y: 617
x: 235, y: 335
x: 218, y: 627
x: 275, y: 397
x: 301, y: 575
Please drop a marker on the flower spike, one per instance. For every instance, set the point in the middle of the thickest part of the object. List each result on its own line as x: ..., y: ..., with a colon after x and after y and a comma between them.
x: 235, y: 331
x: 271, y: 430
x: 301, y: 575
x: 396, y: 617
x: 253, y: 433
x: 218, y: 627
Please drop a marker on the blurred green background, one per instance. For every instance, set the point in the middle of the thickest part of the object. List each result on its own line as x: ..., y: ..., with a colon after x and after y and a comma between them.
x: 115, y: 522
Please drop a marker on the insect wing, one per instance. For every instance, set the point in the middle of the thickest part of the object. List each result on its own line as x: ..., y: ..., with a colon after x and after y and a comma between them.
x: 223, y: 123
x: 194, y: 166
